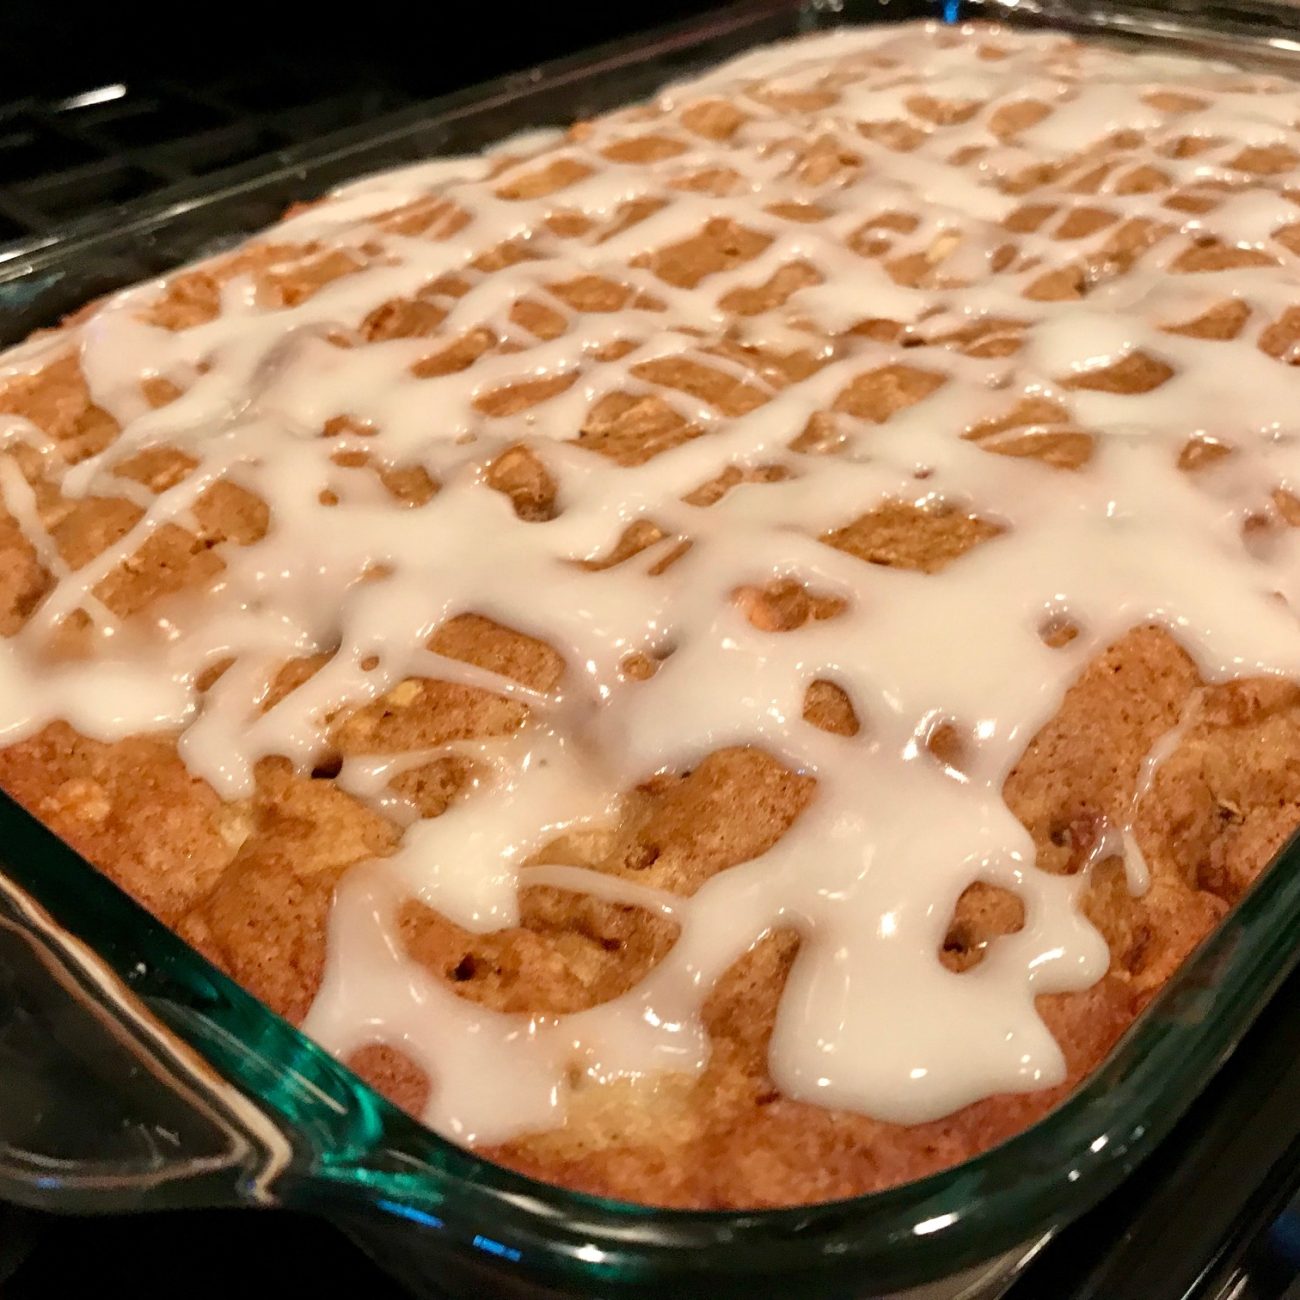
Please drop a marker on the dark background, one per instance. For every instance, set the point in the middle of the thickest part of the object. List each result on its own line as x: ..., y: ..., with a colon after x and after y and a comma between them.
x: 209, y: 86
x: 50, y: 48
x: 188, y: 90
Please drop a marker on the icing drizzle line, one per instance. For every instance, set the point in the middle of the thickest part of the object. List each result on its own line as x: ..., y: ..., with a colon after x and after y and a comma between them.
x: 881, y: 173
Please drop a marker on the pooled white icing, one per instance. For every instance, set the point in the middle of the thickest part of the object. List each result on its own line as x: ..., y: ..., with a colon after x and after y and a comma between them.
x: 871, y: 871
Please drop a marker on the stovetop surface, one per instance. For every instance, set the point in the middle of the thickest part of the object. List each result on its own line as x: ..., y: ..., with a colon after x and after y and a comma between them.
x: 112, y: 105
x: 103, y: 110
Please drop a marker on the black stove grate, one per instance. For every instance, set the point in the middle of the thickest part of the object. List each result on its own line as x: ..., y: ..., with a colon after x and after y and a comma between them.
x: 63, y: 159
x: 112, y: 104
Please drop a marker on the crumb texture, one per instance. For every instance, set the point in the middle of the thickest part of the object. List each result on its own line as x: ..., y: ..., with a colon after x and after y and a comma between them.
x: 645, y: 642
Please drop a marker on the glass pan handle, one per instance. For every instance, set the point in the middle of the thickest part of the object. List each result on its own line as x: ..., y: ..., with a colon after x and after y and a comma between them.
x: 101, y: 1109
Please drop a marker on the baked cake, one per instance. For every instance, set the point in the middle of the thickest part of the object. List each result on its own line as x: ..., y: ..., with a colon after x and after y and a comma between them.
x: 719, y: 657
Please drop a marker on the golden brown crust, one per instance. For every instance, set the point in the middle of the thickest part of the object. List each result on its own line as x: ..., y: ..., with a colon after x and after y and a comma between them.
x: 568, y: 952
x: 132, y: 808
x: 251, y: 883
x: 255, y: 894
x: 393, y: 1073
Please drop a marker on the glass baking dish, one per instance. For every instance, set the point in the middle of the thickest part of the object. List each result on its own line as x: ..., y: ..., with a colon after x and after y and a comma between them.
x: 134, y: 1075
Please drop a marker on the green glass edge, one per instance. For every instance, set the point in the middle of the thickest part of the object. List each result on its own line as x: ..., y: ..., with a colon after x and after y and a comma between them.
x: 353, y: 1152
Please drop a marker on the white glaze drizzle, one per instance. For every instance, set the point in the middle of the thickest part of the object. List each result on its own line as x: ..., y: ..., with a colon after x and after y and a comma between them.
x: 1135, y: 863
x: 871, y: 871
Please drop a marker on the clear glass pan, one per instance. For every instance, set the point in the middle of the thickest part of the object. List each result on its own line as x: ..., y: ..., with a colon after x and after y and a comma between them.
x: 135, y: 1075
